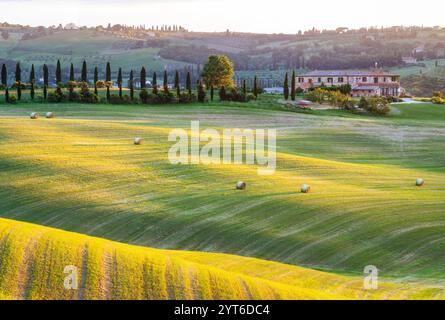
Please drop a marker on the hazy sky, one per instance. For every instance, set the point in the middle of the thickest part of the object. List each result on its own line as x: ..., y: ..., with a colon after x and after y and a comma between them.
x: 287, y: 16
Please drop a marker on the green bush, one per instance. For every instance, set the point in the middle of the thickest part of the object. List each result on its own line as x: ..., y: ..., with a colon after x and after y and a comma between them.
x: 317, y: 95
x: 234, y: 95
x: 186, y: 98
x: 143, y: 95
x: 115, y: 99
x: 74, y: 97
x: 378, y: 106
x: 56, y: 96
x: 89, y: 97
x: 438, y: 98
x: 165, y: 97
x: 12, y: 98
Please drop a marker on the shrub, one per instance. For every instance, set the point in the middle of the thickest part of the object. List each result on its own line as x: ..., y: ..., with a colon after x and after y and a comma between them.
x: 115, y: 99
x: 88, y: 97
x: 73, y: 97
x: 56, y: 96
x: 235, y: 95
x: 393, y: 99
x: 143, y: 95
x: 152, y: 98
x: 438, y: 98
x: 363, y: 104
x: 378, y: 106
x: 186, y: 98
x: 12, y: 98
x: 340, y: 100
x: 165, y: 97
x: 317, y: 95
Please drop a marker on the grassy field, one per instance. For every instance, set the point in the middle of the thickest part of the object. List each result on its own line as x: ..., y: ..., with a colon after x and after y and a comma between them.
x: 76, y: 46
x: 81, y: 172
x: 109, y: 270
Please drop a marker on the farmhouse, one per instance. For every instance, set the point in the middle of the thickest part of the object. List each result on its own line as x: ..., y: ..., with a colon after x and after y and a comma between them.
x: 363, y: 83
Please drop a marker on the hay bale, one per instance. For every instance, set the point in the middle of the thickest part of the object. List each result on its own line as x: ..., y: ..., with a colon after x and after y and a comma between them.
x: 35, y: 115
x: 305, y: 188
x: 50, y: 115
x: 241, y: 185
x: 138, y: 141
x: 420, y: 182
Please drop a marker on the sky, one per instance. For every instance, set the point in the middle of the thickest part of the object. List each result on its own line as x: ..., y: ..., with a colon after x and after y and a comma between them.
x: 262, y: 16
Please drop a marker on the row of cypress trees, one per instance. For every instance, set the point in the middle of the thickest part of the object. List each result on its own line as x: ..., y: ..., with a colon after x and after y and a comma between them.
x: 293, y: 93
x: 71, y: 84
x: 84, y: 78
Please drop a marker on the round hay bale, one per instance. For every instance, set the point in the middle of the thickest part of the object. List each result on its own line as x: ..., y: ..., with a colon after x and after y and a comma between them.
x: 50, y: 115
x: 241, y: 185
x: 35, y: 115
x: 138, y: 141
x: 305, y: 188
x: 420, y: 182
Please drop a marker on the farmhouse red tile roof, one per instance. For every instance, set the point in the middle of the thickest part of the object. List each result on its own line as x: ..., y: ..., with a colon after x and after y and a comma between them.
x: 347, y: 73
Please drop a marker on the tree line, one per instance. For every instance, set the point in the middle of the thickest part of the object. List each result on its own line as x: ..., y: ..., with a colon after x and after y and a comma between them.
x: 217, y: 75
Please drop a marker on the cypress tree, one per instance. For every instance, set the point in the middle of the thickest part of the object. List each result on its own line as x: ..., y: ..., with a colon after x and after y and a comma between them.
x: 58, y: 73
x: 188, y: 84
x: 143, y: 78
x: 255, y: 87
x: 286, y: 87
x: 201, y: 92
x: 119, y: 82
x: 178, y: 90
x: 293, y: 87
x: 155, y: 83
x: 244, y: 87
x: 108, y: 79
x: 32, y: 81
x: 4, y: 76
x: 176, y: 79
x: 131, y: 85
x: 84, y: 72
x: 72, y: 78
x: 96, y: 79
x: 5, y: 82
x: 165, y: 85
x: 18, y: 80
x: 212, y: 93
x: 45, y: 81
x: 108, y: 73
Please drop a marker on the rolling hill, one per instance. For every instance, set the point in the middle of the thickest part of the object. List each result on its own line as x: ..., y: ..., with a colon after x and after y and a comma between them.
x: 81, y: 172
x: 33, y: 261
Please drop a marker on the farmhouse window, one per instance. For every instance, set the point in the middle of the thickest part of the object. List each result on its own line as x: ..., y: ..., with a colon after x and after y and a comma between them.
x: 330, y: 80
x: 364, y: 79
x: 300, y: 80
x: 341, y: 80
x: 376, y: 80
x: 319, y: 80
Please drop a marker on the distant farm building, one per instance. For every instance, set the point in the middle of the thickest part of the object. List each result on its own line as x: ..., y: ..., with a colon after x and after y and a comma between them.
x: 363, y: 83
x: 71, y: 26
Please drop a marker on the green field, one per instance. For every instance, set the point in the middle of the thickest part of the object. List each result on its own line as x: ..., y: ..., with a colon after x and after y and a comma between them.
x: 77, y: 46
x: 81, y: 173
